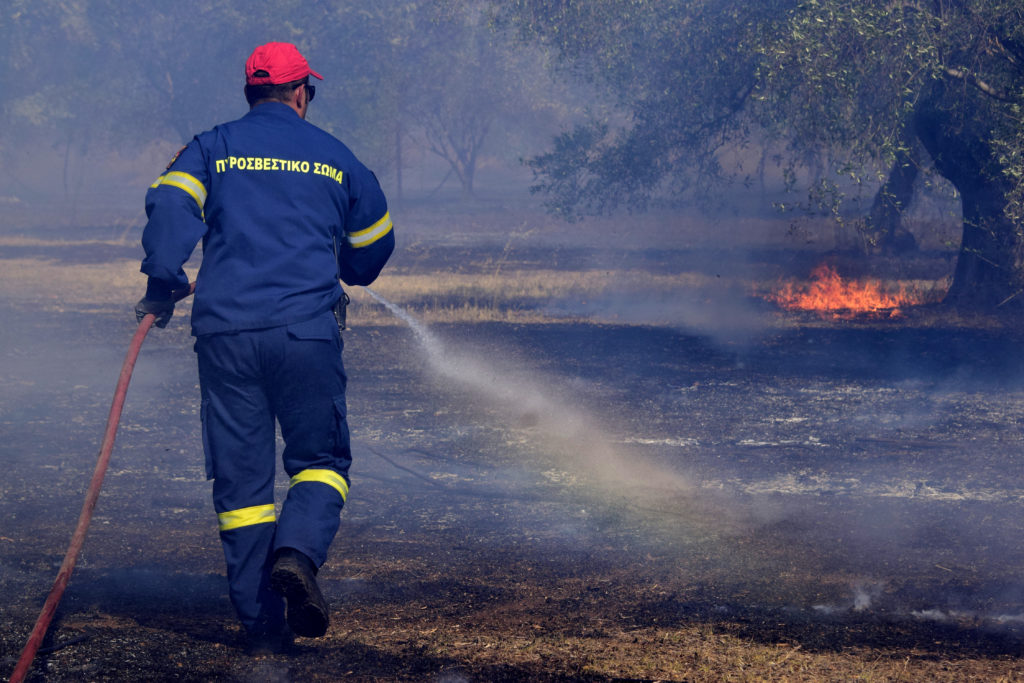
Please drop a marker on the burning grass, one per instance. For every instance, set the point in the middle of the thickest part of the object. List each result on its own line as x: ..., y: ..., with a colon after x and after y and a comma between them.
x: 831, y: 296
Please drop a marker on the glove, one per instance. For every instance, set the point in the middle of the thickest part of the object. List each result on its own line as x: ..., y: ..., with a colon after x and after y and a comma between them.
x: 162, y: 309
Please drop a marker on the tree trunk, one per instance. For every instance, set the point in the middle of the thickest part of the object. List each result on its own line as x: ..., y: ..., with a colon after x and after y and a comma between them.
x: 989, y: 271
x: 468, y: 174
x: 885, y: 221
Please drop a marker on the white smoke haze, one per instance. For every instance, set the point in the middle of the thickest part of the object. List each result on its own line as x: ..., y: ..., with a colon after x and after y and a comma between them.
x: 821, y: 419
x: 864, y: 594
x: 724, y: 317
x: 992, y: 620
x: 569, y: 433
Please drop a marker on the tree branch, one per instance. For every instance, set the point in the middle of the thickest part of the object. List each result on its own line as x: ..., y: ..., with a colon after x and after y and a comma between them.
x: 981, y: 85
x: 1011, y: 51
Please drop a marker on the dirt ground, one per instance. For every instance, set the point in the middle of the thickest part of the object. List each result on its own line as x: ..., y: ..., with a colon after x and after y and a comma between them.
x: 545, y: 489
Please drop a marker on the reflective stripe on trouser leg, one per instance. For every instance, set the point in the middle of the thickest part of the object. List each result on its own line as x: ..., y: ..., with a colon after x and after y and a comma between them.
x: 309, y: 401
x: 329, y: 477
x: 247, y: 547
x: 257, y: 514
x: 311, y: 512
x: 239, y: 439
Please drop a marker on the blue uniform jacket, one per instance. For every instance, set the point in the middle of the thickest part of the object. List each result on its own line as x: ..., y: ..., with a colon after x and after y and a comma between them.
x: 283, y: 209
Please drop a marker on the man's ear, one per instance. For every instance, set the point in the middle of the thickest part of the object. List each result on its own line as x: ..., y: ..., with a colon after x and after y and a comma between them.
x: 300, y: 100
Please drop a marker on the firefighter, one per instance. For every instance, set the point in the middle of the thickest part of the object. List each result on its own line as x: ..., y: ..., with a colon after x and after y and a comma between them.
x: 284, y: 210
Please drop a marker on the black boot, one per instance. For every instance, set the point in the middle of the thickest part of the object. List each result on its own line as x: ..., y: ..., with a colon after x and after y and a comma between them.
x: 294, y: 577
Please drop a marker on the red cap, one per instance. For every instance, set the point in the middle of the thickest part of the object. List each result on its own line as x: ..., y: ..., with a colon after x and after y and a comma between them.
x: 276, y: 63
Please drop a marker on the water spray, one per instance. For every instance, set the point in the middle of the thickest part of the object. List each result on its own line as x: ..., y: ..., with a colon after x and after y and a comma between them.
x: 432, y: 345
x: 576, y: 435
x: 35, y: 638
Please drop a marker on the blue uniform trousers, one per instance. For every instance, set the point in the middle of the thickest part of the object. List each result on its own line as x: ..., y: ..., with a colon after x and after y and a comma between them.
x: 293, y: 374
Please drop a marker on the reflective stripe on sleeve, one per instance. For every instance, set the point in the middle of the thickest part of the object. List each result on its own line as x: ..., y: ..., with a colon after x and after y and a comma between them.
x: 156, y: 182
x: 329, y: 477
x: 188, y: 183
x: 364, y: 238
x: 257, y: 514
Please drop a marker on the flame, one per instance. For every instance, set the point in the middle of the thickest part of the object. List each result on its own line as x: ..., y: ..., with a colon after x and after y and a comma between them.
x: 829, y: 295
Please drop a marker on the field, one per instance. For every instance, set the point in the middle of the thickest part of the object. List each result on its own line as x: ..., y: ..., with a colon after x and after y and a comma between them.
x: 595, y: 459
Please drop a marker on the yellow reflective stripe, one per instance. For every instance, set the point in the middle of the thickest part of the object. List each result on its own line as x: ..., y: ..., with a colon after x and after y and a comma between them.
x: 257, y: 514
x: 187, y: 183
x: 329, y: 477
x: 364, y: 238
x: 156, y: 182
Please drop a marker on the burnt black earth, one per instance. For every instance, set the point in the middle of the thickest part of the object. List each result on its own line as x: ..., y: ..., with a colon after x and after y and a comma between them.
x: 841, y: 490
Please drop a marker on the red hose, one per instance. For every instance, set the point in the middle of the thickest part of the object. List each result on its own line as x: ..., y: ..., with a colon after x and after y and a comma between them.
x: 35, y: 639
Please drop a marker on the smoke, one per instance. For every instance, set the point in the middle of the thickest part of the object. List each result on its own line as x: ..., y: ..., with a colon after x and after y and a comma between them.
x: 569, y: 433
x: 867, y: 597
x: 864, y: 595
x: 803, y: 442
x: 726, y: 317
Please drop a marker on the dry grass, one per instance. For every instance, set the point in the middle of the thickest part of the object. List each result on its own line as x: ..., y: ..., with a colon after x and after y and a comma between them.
x: 510, y: 296
x: 54, y: 285
x: 696, y: 652
x: 26, y: 241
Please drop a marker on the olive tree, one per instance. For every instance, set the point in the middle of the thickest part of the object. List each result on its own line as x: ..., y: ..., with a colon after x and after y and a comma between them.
x: 873, y: 82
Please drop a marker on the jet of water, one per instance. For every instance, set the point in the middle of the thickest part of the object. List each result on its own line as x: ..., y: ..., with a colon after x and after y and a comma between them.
x: 568, y: 432
x: 428, y: 340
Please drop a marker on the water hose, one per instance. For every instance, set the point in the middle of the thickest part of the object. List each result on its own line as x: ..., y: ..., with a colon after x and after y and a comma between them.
x: 35, y: 639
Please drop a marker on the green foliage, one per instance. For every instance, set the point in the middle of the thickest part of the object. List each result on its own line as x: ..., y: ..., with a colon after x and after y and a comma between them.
x: 681, y: 72
x: 566, y: 167
x: 846, y: 77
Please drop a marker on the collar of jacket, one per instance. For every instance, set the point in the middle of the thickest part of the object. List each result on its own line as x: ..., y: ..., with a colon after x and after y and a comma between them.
x: 279, y: 109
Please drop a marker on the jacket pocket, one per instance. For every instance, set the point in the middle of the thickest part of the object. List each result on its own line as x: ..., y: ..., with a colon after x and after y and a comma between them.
x: 323, y: 327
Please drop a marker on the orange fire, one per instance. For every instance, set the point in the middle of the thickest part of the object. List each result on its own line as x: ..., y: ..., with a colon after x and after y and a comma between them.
x: 829, y: 295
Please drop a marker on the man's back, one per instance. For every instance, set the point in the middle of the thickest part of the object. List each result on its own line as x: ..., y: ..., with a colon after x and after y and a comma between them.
x: 281, y: 199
